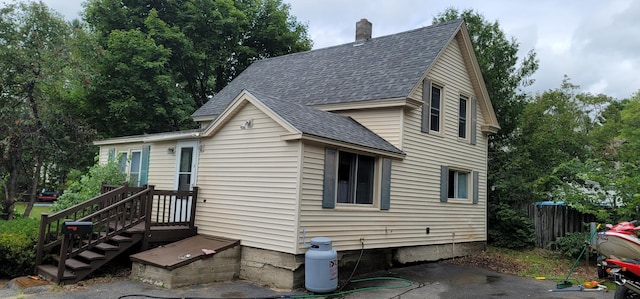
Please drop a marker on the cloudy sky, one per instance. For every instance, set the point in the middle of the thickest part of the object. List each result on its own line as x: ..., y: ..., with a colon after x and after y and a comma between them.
x: 595, y: 43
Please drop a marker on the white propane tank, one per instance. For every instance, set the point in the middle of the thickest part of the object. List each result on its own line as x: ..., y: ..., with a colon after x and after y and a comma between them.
x: 321, y: 266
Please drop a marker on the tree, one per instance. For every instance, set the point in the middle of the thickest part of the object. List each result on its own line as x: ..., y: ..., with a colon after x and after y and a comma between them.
x: 209, y: 42
x: 137, y: 86
x: 34, y: 58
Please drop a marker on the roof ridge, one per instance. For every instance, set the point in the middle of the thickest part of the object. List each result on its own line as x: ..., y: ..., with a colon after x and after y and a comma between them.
x: 360, y: 42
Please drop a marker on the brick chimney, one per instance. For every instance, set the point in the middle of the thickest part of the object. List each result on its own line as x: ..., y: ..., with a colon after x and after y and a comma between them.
x: 363, y: 30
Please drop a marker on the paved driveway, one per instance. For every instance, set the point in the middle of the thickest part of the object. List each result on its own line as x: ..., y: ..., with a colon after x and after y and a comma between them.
x: 432, y: 280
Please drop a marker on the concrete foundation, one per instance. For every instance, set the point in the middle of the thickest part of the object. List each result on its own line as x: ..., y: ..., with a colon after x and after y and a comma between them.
x: 283, y: 271
x: 432, y: 253
x: 222, y: 266
x: 272, y: 269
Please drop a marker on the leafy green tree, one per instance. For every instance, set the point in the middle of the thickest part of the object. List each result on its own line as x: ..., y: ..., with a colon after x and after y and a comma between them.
x: 205, y: 44
x: 34, y: 60
x: 630, y: 130
x: 606, y: 184
x: 135, y: 88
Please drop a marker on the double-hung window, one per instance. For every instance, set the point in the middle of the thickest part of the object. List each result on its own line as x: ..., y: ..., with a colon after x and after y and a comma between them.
x: 458, y: 187
x: 459, y: 184
x: 134, y: 169
x: 356, y: 177
x: 433, y: 102
x: 462, y: 117
x: 436, y: 104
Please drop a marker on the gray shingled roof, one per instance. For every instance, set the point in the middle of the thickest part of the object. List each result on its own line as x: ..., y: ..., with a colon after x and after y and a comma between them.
x: 324, y: 124
x: 381, y: 68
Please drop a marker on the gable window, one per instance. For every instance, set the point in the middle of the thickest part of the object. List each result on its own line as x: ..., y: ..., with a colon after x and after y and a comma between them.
x: 356, y: 175
x: 436, y: 103
x: 462, y: 118
x: 458, y: 187
x: 432, y: 101
x: 134, y: 169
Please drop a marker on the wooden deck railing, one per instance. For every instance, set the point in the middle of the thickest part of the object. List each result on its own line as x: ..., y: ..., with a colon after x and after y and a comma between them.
x: 118, y: 209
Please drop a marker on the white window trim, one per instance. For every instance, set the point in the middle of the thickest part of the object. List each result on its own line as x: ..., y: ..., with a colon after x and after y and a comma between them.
x: 441, y: 126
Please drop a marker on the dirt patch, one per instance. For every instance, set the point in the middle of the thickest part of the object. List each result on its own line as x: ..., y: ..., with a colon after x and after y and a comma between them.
x: 509, y: 265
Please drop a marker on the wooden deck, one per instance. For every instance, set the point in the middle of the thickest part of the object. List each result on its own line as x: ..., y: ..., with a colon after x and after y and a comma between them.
x: 119, y: 219
x: 183, y: 252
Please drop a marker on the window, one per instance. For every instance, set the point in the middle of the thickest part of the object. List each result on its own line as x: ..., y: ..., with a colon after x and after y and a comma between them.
x: 122, y: 161
x: 458, y: 184
x: 462, y: 118
x: 356, y: 175
x: 436, y: 93
x: 134, y: 170
x: 351, y: 178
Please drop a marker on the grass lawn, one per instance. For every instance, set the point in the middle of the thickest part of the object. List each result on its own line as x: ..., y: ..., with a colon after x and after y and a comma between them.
x: 35, y: 212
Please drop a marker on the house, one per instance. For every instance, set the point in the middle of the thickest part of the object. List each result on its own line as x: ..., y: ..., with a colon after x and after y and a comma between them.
x: 379, y: 144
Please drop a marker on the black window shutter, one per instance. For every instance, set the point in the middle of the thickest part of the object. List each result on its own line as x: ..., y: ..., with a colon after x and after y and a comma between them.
x: 476, y: 187
x: 329, y: 184
x: 426, y: 105
x: 474, y: 120
x: 385, y: 190
x: 444, y: 183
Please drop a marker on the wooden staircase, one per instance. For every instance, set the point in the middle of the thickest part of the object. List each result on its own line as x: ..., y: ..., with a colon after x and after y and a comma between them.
x: 122, y: 219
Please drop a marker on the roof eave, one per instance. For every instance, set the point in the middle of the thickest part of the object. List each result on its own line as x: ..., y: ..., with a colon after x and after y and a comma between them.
x: 341, y: 144
x: 150, y: 138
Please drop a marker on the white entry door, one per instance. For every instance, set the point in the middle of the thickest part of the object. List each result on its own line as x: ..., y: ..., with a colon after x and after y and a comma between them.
x: 186, y: 166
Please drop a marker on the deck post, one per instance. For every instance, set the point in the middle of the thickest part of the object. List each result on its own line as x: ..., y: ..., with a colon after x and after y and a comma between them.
x: 194, y: 202
x: 147, y: 217
x: 66, y: 239
x: 41, y: 235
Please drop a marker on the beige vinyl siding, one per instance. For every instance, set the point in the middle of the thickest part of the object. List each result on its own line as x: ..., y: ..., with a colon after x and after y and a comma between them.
x: 248, y: 183
x: 386, y: 122
x: 162, y: 165
x: 415, y: 181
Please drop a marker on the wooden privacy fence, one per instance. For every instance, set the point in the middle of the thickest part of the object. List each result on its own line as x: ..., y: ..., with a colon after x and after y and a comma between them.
x: 554, y: 220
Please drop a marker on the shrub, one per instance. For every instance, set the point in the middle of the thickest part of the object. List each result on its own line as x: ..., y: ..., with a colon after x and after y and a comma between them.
x: 510, y: 228
x: 88, y: 185
x: 571, y: 245
x: 18, y: 239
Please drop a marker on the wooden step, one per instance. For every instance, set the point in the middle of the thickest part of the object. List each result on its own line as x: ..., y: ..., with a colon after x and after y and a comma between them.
x: 51, y: 272
x: 121, y: 239
x: 107, y: 247
x: 74, y: 264
x: 91, y: 256
x: 117, y: 238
